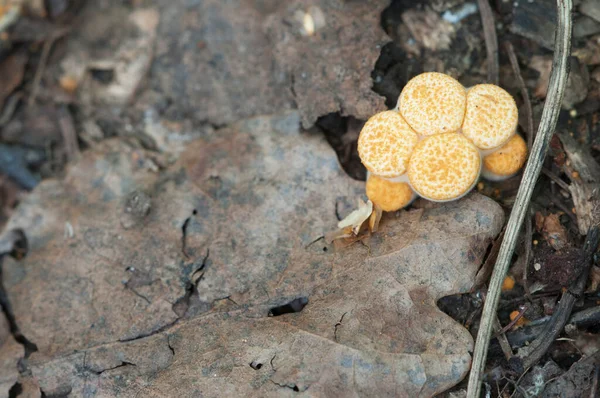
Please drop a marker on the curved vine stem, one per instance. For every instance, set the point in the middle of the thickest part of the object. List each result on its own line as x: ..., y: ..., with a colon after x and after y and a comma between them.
x: 556, y: 89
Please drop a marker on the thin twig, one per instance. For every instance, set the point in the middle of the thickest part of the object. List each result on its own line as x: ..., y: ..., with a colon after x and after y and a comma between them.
x: 529, y: 115
x: 556, y: 179
x: 512, y: 323
x: 527, y: 243
x: 42, y: 63
x: 504, y: 344
x: 561, y: 314
x: 519, y: 382
x: 491, y: 40
x: 556, y: 90
x: 524, y: 93
x: 67, y: 128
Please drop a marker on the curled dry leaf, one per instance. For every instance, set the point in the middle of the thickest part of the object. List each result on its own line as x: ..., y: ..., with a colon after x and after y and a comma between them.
x: 178, y: 302
x: 358, y: 216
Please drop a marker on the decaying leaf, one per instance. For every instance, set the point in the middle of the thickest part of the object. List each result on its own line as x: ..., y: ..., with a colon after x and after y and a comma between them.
x: 356, y: 219
x: 10, y: 354
x: 111, y: 71
x: 177, y: 303
x: 344, y: 83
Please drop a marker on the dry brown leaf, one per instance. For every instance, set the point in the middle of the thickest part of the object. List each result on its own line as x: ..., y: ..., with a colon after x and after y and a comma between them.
x: 114, y: 310
x: 330, y: 71
x: 10, y: 354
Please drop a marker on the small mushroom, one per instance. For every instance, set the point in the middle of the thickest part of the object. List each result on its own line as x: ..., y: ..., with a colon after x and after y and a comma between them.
x: 433, y: 143
x: 506, y: 161
x: 389, y: 195
x: 433, y: 103
x: 385, y: 144
x: 444, y: 167
x: 491, y: 117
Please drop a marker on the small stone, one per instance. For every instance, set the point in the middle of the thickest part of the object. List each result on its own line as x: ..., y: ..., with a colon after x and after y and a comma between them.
x: 537, y: 266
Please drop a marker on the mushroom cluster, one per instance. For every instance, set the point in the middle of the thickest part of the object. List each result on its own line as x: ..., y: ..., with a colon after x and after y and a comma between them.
x: 438, y: 141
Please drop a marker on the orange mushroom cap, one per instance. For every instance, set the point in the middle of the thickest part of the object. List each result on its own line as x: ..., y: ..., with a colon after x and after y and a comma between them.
x: 385, y: 144
x: 444, y: 167
x: 389, y: 195
x: 433, y: 103
x: 506, y: 161
x: 491, y: 117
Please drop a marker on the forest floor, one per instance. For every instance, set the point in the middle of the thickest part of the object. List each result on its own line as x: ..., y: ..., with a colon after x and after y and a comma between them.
x: 169, y: 172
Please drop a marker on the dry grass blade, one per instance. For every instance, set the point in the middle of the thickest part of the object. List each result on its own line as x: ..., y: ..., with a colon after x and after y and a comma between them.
x: 491, y: 39
x: 556, y: 89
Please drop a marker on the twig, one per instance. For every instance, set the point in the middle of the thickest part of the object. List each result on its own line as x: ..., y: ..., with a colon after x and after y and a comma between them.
x: 556, y: 179
x: 67, y: 128
x: 9, y: 108
x: 556, y: 90
x: 540, y: 345
x: 512, y: 323
x: 486, y: 269
x: 524, y: 93
x: 504, y: 344
x: 42, y: 63
x: 529, y: 115
x: 519, y: 382
x: 527, y: 243
x: 491, y: 40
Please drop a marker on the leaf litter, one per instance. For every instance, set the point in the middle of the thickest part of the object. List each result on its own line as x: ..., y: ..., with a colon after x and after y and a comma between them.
x: 369, y: 323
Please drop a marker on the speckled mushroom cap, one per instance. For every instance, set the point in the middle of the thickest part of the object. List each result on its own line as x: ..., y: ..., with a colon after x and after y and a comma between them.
x: 385, y: 144
x: 491, y: 117
x: 507, y: 160
x: 433, y: 103
x: 444, y: 167
x: 388, y: 195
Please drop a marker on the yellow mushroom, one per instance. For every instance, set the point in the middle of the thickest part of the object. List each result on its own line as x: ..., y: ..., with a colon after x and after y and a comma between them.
x: 385, y: 144
x: 433, y: 103
x: 389, y: 195
x: 506, y: 161
x: 491, y: 117
x: 444, y: 167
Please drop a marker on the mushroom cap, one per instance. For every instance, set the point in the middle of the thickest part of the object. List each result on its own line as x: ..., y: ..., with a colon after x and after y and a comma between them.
x: 388, y: 195
x: 507, y: 160
x: 433, y: 103
x: 385, y: 144
x: 491, y: 117
x: 444, y: 167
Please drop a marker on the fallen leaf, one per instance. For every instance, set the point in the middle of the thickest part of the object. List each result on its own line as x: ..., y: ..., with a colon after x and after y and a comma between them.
x: 215, y: 61
x: 178, y: 303
x: 10, y: 354
x: 330, y: 71
x: 575, y: 383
